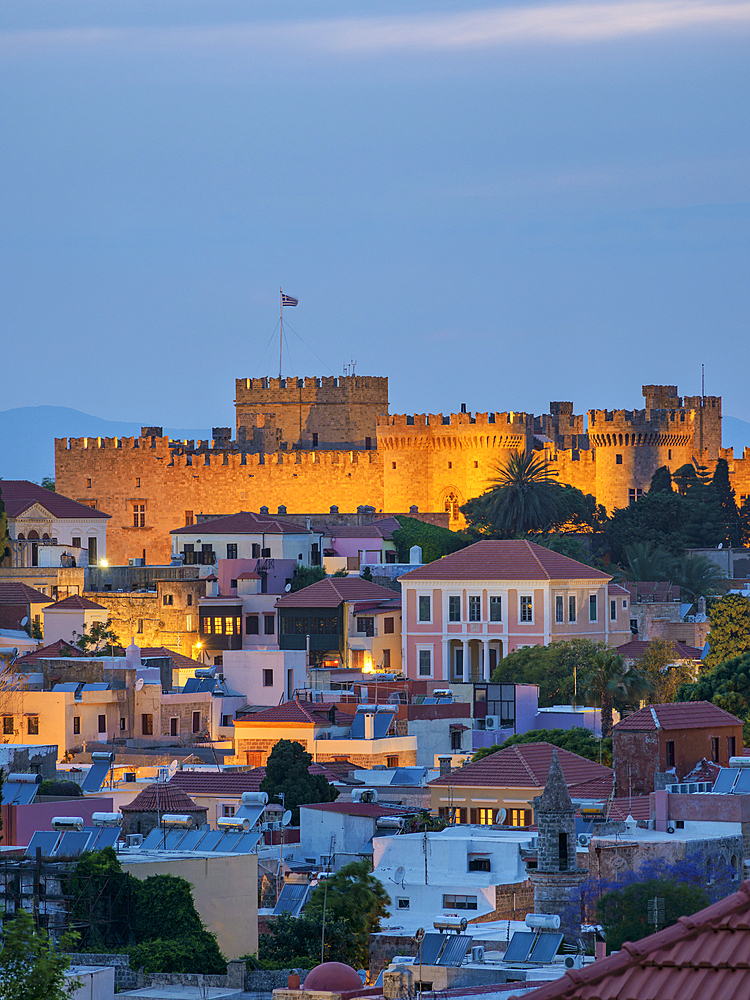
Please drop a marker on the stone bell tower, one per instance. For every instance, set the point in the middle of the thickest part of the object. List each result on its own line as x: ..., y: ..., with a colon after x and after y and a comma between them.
x: 557, y: 880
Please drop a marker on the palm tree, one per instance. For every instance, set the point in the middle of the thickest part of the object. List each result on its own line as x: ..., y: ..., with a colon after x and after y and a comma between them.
x: 610, y: 678
x: 645, y: 561
x: 698, y: 576
x: 524, y: 495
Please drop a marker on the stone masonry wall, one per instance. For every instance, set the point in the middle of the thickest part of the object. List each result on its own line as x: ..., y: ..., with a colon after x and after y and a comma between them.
x: 145, y: 616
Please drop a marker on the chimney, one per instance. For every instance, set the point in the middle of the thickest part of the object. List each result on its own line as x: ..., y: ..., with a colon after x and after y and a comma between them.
x: 445, y: 762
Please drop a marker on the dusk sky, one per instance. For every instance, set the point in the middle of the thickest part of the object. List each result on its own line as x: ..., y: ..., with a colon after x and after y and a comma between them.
x: 498, y: 205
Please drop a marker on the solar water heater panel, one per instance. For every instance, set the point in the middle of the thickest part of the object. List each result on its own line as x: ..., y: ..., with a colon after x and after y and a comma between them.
x: 191, y: 840
x: 431, y: 947
x: 211, y: 839
x: 456, y: 946
x: 72, y: 844
x: 357, y: 731
x: 108, y: 837
x: 742, y: 784
x: 95, y: 778
x: 519, y: 947
x: 46, y: 839
x: 725, y: 779
x: 152, y: 840
x: 246, y: 844
x: 545, y: 948
x: 19, y: 793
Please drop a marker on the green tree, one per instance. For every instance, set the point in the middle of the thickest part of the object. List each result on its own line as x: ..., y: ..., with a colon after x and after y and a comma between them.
x: 48, y: 483
x: 661, y: 481
x: 431, y: 538
x: 610, y: 679
x: 729, y: 635
x: 366, y: 574
x: 197, y: 954
x: 354, y: 896
x: 295, y: 942
x: 98, y: 637
x: 340, y: 572
x: 553, y: 668
x: 727, y: 502
x: 623, y: 913
x: 31, y: 968
x: 661, y: 668
x: 287, y: 772
x: 657, y: 518
x: 726, y: 685
x: 698, y: 576
x: 304, y: 576
x: 523, y: 496
x: 577, y: 740
x: 646, y: 561
x: 54, y: 786
x: 101, y: 900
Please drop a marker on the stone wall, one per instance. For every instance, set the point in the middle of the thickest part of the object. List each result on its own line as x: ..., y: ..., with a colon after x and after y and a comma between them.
x: 125, y: 977
x: 146, y: 617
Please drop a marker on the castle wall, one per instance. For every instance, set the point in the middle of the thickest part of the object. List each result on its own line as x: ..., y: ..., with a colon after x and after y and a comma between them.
x: 343, y: 412
x: 439, y: 461
x: 118, y: 475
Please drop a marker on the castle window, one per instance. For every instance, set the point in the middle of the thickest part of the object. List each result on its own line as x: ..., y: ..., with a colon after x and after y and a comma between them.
x: 562, y: 850
x: 189, y: 600
x: 559, y: 609
x: 139, y: 515
x: 167, y: 600
x: 496, y: 609
x: 368, y: 444
x: 451, y: 505
x: 634, y: 495
x: 188, y: 518
x: 138, y: 482
x: 450, y: 465
x: 454, y: 609
x: 393, y: 465
x: 618, y: 459
x: 669, y: 453
x: 315, y: 439
x: 140, y: 626
x: 476, y: 465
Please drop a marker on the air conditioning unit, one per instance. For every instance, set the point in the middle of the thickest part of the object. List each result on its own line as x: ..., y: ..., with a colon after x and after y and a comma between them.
x: 584, y: 839
x: 478, y: 723
x: 574, y: 961
x: 477, y: 953
x: 364, y: 795
x: 135, y: 839
x: 491, y: 722
x: 135, y: 562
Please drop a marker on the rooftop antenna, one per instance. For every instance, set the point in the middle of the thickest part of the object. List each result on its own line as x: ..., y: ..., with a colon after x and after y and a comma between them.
x: 703, y: 381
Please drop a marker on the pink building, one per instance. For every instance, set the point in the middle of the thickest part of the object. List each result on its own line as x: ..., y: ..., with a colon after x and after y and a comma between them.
x: 464, y: 612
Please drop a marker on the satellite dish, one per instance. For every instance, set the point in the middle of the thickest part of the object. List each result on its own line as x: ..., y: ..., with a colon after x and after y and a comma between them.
x: 288, y: 588
x: 500, y: 815
x: 24, y: 621
x: 400, y: 873
x: 139, y: 684
x: 173, y: 767
x: 286, y: 819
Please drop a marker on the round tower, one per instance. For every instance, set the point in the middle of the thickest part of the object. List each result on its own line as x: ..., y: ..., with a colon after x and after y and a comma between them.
x: 557, y: 880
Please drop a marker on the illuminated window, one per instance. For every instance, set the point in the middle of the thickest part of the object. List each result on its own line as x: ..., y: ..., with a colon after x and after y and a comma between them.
x: 76, y: 725
x: 188, y: 518
x: 147, y: 725
x: 139, y: 515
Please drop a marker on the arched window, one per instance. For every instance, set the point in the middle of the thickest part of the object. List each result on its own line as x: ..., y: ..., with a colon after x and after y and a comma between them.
x: 451, y: 506
x: 33, y: 536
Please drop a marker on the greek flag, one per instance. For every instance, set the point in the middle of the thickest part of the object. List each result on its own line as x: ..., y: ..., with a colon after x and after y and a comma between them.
x: 287, y: 300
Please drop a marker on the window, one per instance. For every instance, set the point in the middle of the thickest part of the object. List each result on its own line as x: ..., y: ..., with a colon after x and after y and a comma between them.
x: 8, y: 725
x: 731, y: 745
x: 592, y: 608
x: 559, y: 609
x: 459, y: 662
x: 228, y: 626
x: 88, y: 484
x: 140, y: 626
x: 32, y: 725
x: 227, y: 811
x: 572, y: 608
x: 315, y: 439
x: 226, y: 720
x: 454, y: 609
x: 479, y: 865
x: 76, y: 725
x: 496, y: 609
x: 174, y: 727
x: 188, y: 554
x: 147, y: 725
x: 526, y: 609
x: 167, y: 600
x: 253, y: 758
x: 102, y: 724
x: 256, y: 550
x: 368, y: 444
x: 139, y: 515
x: 251, y: 625
x: 482, y: 817
x: 388, y: 626
x: 138, y: 482
x: 519, y: 817
x: 189, y: 600
x: 393, y: 465
x: 402, y: 903
x: 634, y: 495
x: 475, y: 609
x: 425, y: 611
x: 453, y: 902
x: 188, y: 518
x: 391, y: 760
x: 386, y: 659
x: 231, y: 550
x: 358, y: 659
x: 613, y: 611
x: 624, y: 605
x: 425, y: 663
x: 366, y: 626
x: 268, y: 625
x: 618, y: 459
x: 196, y: 722
x: 670, y: 753
x: 562, y: 850
x: 715, y: 749
x: 456, y: 740
x: 267, y: 678
x: 476, y: 465
x: 123, y: 724
x: 76, y: 543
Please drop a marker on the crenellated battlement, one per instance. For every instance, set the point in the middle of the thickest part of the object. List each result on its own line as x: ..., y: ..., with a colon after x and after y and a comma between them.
x: 326, y: 389
x: 650, y: 420
x: 511, y: 418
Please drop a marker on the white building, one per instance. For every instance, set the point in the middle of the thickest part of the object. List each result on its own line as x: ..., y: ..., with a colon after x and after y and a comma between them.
x: 334, y: 833
x: 451, y: 872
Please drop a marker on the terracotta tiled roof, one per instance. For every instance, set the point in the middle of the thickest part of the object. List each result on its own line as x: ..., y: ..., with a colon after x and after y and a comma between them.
x: 615, y: 588
x: 11, y: 616
x: 677, y: 715
x: 701, y: 957
x: 249, y: 576
x: 637, y: 648
x: 19, y: 593
x: 373, y: 809
x: 171, y: 800
x: 637, y: 806
x: 244, y: 522
x: 526, y: 765
x: 76, y: 603
x: 505, y: 560
x: 329, y: 593
x: 650, y: 592
x: 233, y: 782
x: 383, y: 528
x: 178, y: 659
x: 301, y: 712
x: 20, y: 494
x: 53, y: 651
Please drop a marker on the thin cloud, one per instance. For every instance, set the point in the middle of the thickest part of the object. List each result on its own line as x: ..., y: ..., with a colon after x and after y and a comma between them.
x: 579, y: 23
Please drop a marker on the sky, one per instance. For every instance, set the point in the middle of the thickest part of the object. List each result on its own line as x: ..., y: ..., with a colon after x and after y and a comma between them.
x: 498, y: 205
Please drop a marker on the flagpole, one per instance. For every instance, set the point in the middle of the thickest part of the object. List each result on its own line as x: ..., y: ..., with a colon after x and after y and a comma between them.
x: 281, y: 327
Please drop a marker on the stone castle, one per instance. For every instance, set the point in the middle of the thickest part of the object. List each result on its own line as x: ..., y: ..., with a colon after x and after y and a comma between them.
x: 306, y: 445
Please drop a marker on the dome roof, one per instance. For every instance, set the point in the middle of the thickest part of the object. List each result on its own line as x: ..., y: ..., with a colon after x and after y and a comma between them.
x: 171, y: 800
x: 332, y: 977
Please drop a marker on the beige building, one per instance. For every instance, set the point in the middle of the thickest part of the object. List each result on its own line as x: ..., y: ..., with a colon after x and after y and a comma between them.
x: 71, y: 617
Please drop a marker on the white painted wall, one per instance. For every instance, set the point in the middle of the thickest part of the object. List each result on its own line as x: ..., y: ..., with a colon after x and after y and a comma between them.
x: 243, y: 672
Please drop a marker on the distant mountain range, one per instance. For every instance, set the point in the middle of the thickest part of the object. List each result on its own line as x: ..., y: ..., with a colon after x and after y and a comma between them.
x: 27, y: 436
